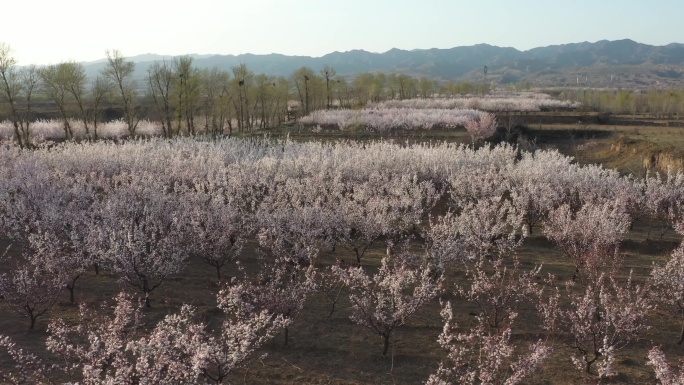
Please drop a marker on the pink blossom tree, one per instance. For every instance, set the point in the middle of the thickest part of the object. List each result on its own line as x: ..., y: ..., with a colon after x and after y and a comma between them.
x: 599, y: 320
x: 171, y: 351
x: 95, y: 348
x: 66, y: 260
x: 300, y: 215
x: 240, y: 336
x: 116, y: 349
x: 663, y: 370
x: 535, y: 185
x: 30, y: 193
x: 481, y: 355
x: 140, y: 234
x: 497, y: 288
x: 329, y: 283
x: 668, y: 284
x: 32, y: 287
x: 663, y: 198
x: 489, y: 228
x: 216, y: 225
x: 280, y: 290
x: 386, y: 300
x: 385, y: 205
x: 482, y: 127
x: 482, y: 182
x: 28, y: 368
x: 296, y: 234
x: 60, y: 235
x: 48, y: 214
x: 589, y: 237
x: 182, y: 350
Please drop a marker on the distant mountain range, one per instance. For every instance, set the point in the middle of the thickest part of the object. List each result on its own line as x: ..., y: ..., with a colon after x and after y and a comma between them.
x: 621, y: 63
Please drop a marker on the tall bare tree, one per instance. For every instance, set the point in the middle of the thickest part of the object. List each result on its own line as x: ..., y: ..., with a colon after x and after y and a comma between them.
x: 243, y: 78
x: 76, y: 83
x: 100, y: 88
x: 280, y: 97
x: 264, y: 95
x: 160, y: 80
x: 343, y: 92
x: 407, y: 86
x: 11, y: 90
x: 300, y: 79
x: 213, y: 87
x: 193, y: 100
x: 28, y: 79
x: 120, y: 72
x: 363, y: 84
x: 55, y: 84
x: 426, y: 86
x: 187, y: 92
x: 328, y: 74
x: 225, y: 99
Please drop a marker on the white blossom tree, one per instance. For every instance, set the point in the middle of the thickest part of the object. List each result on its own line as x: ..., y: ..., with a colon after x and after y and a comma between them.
x: 386, y: 300
x: 481, y: 355
x: 600, y: 319
x: 484, y: 229
x: 497, y: 288
x: 663, y: 369
x: 33, y: 285
x: 589, y: 237
x: 216, y: 225
x: 140, y: 235
x: 280, y: 290
x: 116, y: 349
x: 668, y: 284
x: 482, y: 127
x: 385, y: 205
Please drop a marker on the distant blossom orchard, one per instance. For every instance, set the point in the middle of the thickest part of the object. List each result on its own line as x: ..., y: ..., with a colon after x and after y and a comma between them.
x: 54, y: 129
x: 494, y: 102
x: 386, y: 119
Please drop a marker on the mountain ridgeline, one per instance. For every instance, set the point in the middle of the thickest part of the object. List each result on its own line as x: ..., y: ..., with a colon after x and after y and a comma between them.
x: 621, y: 63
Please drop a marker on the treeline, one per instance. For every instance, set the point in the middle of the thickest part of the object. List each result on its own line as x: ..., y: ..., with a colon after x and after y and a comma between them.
x: 190, y: 100
x: 657, y: 103
x: 182, y: 97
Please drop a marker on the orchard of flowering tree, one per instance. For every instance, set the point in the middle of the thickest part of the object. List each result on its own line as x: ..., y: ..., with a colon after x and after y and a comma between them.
x: 183, y: 261
x: 142, y: 243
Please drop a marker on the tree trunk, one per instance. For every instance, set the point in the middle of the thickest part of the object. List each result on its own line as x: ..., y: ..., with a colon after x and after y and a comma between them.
x: 71, y: 287
x: 332, y: 310
x: 71, y: 292
x: 386, y: 347
x: 18, y: 134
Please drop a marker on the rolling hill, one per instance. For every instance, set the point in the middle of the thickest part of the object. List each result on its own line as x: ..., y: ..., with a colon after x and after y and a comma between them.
x: 621, y: 63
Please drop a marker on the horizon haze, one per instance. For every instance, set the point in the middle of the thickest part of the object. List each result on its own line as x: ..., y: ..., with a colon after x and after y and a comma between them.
x: 72, y: 30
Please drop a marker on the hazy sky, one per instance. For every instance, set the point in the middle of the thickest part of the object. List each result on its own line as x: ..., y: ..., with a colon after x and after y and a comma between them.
x: 51, y: 31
